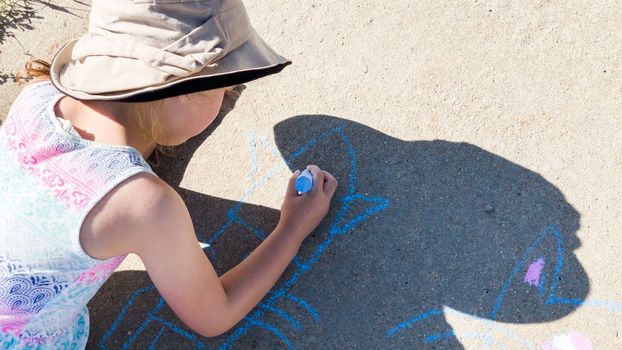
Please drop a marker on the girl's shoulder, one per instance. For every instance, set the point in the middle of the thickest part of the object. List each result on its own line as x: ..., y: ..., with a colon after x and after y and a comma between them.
x: 140, y: 205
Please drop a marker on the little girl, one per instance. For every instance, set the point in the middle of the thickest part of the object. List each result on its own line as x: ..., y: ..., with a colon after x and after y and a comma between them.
x: 76, y: 194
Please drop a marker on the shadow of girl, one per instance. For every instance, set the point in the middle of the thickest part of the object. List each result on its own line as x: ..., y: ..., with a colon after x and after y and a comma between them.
x: 417, y: 230
x: 465, y: 230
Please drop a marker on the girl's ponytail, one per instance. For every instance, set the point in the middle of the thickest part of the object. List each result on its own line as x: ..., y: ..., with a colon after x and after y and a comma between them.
x: 34, y: 70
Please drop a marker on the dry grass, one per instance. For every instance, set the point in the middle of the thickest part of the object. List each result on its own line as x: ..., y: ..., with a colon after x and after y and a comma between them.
x: 15, y: 15
x: 5, y: 6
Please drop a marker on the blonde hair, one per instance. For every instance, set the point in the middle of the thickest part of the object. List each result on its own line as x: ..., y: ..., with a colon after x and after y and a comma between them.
x: 143, y: 114
x: 34, y: 70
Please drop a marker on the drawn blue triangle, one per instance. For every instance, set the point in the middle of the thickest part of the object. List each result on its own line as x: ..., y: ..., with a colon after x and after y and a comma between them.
x: 256, y: 143
x: 344, y: 221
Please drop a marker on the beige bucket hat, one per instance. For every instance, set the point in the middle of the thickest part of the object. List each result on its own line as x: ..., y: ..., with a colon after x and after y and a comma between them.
x: 145, y: 50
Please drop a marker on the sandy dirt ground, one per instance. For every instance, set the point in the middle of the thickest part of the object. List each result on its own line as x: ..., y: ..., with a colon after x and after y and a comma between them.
x: 479, y: 151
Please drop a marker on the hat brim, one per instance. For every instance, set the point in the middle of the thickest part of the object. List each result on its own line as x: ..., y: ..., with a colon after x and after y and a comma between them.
x: 252, y: 60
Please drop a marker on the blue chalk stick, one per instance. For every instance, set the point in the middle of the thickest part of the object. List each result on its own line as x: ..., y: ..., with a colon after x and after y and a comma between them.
x: 304, y: 182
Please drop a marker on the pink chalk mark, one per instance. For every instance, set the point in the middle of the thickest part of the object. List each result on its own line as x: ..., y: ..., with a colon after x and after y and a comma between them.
x: 532, y: 277
x: 571, y: 341
x: 580, y: 341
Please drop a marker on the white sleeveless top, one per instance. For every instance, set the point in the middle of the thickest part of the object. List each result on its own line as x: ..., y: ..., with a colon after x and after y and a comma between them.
x: 50, y: 179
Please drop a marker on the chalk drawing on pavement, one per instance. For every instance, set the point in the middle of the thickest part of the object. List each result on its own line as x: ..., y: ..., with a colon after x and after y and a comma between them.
x: 342, y: 223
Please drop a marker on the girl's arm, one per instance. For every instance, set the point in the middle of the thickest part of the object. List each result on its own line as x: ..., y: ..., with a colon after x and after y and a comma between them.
x: 211, y: 305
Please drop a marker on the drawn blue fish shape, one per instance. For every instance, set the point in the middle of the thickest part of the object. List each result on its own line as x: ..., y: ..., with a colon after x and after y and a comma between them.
x: 350, y: 209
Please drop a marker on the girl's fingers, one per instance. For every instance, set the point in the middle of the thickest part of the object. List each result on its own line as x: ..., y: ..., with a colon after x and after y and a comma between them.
x: 323, y: 182
x: 330, y: 183
x: 318, y: 178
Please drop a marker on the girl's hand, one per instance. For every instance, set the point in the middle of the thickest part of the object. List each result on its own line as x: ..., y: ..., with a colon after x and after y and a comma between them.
x: 301, y: 214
